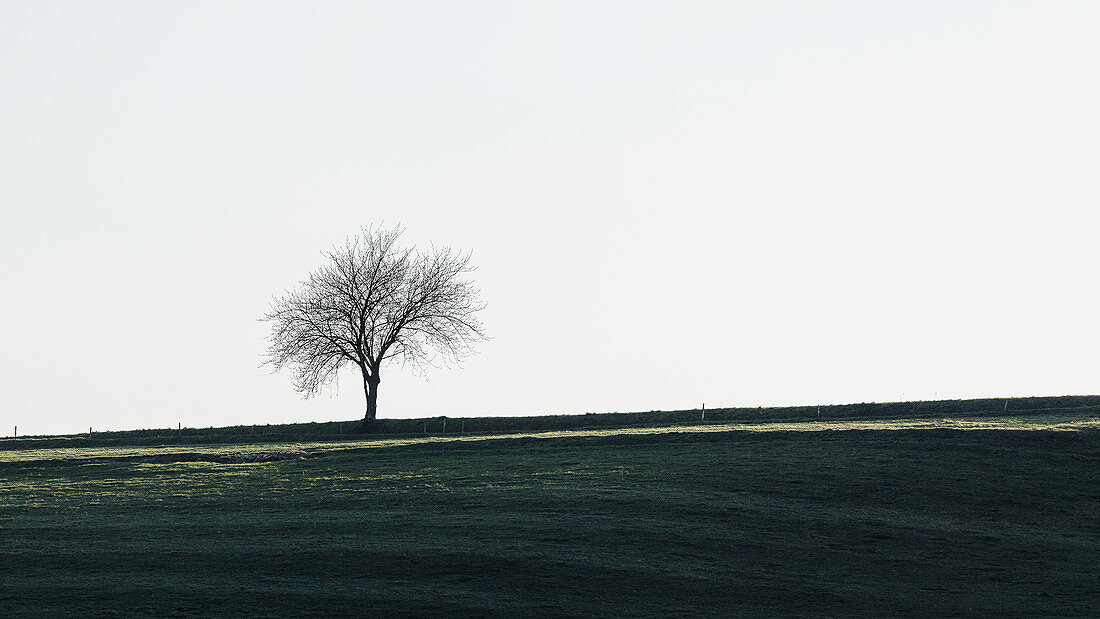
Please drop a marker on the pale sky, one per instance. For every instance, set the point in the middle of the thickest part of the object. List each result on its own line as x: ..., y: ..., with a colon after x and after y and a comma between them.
x: 669, y: 203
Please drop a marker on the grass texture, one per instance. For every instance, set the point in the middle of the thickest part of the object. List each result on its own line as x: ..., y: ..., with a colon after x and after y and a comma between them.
x: 988, y: 516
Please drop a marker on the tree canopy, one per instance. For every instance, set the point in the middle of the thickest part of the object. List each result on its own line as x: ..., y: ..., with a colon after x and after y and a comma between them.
x: 370, y: 303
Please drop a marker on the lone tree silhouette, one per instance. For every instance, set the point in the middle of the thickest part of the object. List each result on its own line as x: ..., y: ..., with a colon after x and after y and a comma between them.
x: 373, y: 302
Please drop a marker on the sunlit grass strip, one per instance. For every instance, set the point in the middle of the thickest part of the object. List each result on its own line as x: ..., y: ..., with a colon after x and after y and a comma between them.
x: 294, y: 449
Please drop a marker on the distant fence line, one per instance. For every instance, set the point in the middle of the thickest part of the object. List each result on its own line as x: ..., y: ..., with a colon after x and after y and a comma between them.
x: 488, y: 425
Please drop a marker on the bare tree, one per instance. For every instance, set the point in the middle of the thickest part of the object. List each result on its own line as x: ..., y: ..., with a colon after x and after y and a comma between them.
x: 370, y: 303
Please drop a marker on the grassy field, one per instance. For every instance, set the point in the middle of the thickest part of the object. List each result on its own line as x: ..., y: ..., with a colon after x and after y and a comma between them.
x: 983, y: 515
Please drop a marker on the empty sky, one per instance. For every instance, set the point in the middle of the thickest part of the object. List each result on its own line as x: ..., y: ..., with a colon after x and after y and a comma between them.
x: 757, y: 203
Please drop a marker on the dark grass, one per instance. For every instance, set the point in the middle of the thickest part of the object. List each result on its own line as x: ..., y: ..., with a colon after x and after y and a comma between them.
x: 939, y: 522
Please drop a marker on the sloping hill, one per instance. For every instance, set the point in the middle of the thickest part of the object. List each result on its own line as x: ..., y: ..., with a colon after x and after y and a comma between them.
x: 1068, y: 406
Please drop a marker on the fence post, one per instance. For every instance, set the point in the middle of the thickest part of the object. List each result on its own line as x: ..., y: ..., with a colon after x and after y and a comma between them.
x: 444, y: 424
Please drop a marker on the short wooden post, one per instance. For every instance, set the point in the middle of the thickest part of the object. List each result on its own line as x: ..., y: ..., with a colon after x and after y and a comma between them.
x: 444, y: 424
x: 703, y: 416
x: 425, y: 427
x: 462, y: 429
x: 16, y: 431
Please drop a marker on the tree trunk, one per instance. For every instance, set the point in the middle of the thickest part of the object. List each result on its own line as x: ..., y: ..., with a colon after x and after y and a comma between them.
x: 370, y: 387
